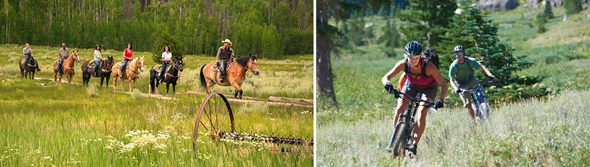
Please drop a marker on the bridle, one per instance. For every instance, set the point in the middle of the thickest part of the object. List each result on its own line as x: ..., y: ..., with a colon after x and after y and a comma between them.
x: 137, y: 64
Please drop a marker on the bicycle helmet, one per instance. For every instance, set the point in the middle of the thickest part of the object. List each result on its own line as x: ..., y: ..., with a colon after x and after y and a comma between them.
x: 459, y: 48
x: 413, y: 48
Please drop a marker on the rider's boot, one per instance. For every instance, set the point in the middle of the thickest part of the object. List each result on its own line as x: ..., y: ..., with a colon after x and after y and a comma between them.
x: 221, y: 77
x: 38, y: 69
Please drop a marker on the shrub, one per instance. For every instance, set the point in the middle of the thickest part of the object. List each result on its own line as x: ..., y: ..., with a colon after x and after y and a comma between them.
x: 136, y: 95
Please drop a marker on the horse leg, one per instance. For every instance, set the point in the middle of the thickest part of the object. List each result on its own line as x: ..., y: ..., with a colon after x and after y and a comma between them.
x: 237, y: 87
x: 167, y: 87
x: 241, y: 91
x: 173, y: 89
x: 236, y: 94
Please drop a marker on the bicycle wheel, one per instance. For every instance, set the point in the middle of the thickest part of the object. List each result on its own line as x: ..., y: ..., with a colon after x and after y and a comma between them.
x: 485, y: 108
x: 398, y: 144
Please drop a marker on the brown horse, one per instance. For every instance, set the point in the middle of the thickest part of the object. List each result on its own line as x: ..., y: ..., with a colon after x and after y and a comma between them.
x: 67, y: 67
x: 235, y: 75
x: 132, y: 72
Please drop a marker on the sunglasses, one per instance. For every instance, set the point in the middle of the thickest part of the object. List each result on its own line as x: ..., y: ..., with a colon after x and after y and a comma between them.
x: 414, y: 56
x: 459, y: 54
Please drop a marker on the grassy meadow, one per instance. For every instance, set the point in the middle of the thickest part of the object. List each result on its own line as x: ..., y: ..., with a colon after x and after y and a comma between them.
x: 43, y: 124
x: 531, y: 132
x: 270, y: 83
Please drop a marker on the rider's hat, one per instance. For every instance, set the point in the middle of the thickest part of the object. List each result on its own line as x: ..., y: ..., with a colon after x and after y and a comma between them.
x: 227, y: 41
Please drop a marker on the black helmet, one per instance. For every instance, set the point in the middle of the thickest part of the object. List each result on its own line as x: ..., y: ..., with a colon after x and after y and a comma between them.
x: 459, y: 48
x: 413, y: 48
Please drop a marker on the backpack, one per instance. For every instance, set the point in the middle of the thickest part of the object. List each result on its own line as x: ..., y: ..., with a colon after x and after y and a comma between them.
x: 431, y: 56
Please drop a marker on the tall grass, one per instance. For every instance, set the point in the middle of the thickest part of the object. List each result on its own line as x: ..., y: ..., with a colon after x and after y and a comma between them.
x: 532, y: 133
x: 64, y: 126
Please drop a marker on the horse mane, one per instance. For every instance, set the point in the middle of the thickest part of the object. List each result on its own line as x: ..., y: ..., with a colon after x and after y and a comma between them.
x: 243, y: 61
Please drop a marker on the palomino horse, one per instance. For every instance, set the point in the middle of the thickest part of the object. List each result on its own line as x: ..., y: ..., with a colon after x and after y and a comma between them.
x: 104, y: 70
x: 170, y: 76
x: 67, y: 67
x: 235, y: 75
x: 134, y: 68
x: 30, y: 66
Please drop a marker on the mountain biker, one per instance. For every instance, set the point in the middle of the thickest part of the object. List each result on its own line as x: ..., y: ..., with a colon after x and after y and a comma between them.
x: 426, y: 82
x: 461, y: 76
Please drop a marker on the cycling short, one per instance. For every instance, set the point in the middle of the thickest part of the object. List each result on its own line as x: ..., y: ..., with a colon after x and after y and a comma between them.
x: 466, y: 96
x: 429, y: 92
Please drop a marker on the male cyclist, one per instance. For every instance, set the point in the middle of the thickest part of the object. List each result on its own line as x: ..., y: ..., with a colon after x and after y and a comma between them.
x: 461, y: 76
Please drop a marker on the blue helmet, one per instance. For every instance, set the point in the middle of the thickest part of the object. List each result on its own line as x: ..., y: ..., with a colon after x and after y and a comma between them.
x: 459, y: 48
x: 413, y: 48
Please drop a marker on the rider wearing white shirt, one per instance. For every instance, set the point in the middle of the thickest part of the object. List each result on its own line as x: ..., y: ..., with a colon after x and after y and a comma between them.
x: 166, y: 58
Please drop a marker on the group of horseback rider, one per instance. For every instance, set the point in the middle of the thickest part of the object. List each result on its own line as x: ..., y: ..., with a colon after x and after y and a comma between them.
x: 224, y: 56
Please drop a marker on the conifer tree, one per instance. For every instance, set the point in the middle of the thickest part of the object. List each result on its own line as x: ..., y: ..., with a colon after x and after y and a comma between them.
x: 480, y: 39
x: 427, y: 20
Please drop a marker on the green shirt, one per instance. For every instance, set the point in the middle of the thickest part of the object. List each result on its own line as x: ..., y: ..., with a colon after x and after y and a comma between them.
x: 460, y: 71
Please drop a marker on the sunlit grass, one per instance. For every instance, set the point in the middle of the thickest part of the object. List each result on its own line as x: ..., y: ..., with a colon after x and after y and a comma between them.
x: 531, y: 133
x: 65, y: 126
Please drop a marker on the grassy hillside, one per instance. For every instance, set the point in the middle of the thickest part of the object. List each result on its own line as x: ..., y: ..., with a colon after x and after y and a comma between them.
x: 531, y: 132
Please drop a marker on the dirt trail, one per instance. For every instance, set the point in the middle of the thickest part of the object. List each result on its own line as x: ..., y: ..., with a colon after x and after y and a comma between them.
x: 246, y: 99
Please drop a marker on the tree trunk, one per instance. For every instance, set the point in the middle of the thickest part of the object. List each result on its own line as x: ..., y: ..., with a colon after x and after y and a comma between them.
x: 324, y: 79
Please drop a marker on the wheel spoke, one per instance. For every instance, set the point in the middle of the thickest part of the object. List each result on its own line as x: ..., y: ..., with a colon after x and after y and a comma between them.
x: 217, y: 112
x: 203, y: 125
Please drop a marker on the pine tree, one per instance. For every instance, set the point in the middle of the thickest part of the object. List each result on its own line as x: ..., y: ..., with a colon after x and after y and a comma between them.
x: 158, y: 45
x: 390, y: 37
x: 476, y: 33
x: 548, y: 12
x: 572, y: 6
x: 427, y: 20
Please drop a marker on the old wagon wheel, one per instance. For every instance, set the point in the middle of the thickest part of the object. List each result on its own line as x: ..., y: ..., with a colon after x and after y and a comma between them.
x: 214, y: 119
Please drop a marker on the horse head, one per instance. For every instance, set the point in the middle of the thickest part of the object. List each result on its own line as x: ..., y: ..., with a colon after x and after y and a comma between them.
x: 179, y: 64
x: 253, y: 64
x: 109, y: 62
x: 140, y: 63
x: 76, y: 55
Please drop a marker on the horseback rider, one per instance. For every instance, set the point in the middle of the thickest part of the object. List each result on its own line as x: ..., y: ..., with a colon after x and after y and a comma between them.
x: 128, y: 55
x: 166, y: 59
x: 461, y: 76
x: 63, y: 54
x: 224, y: 55
x: 97, y: 59
x: 420, y: 79
x: 28, y: 53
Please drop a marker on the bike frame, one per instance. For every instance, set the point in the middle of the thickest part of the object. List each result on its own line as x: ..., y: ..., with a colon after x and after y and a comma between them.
x: 478, y: 94
x: 409, y: 120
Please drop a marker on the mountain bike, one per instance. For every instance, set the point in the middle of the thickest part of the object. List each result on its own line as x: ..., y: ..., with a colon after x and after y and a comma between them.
x: 403, y: 135
x: 481, y: 107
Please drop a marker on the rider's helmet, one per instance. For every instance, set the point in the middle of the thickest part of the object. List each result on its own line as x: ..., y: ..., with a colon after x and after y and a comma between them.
x: 413, y: 48
x: 459, y: 48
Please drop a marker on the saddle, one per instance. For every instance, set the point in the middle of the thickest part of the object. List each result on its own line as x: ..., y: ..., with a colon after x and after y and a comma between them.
x: 158, y: 68
x: 214, y: 67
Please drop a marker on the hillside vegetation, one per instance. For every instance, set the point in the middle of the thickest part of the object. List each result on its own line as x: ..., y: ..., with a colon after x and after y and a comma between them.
x: 551, y: 131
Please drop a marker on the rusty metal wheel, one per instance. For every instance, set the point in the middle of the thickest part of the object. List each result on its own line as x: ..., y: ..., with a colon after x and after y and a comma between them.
x: 214, y: 119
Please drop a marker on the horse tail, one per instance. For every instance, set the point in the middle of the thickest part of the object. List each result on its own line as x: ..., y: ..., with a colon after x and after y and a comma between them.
x: 203, y: 81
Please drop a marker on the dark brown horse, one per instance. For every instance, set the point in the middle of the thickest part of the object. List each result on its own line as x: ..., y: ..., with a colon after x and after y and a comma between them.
x: 170, y: 76
x: 67, y: 67
x: 104, y: 70
x: 30, y: 67
x: 235, y: 76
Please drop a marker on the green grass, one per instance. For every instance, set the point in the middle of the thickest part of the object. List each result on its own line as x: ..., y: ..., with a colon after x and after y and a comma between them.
x: 531, y: 133
x: 42, y: 124
x: 298, y: 68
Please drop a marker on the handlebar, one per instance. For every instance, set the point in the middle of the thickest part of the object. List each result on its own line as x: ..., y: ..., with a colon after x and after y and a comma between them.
x: 476, y: 86
x: 413, y: 99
